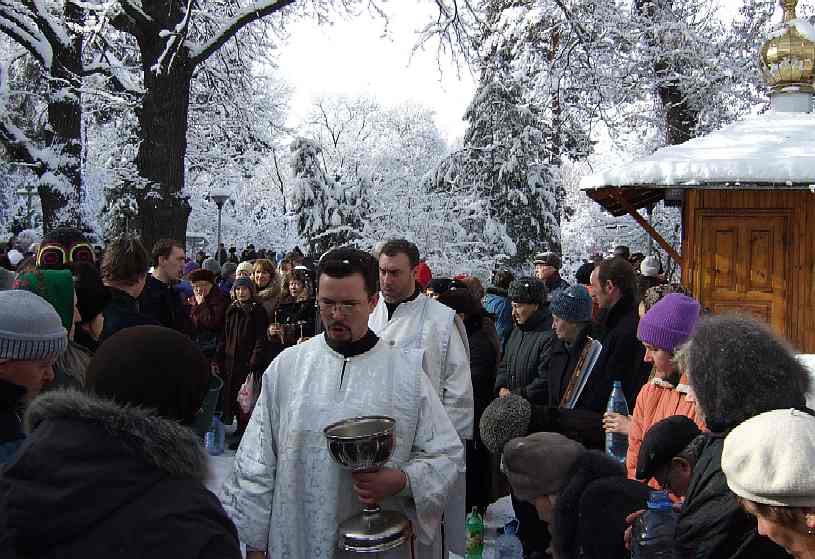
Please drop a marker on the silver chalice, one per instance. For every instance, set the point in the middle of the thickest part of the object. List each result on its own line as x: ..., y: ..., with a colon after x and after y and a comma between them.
x: 365, y: 444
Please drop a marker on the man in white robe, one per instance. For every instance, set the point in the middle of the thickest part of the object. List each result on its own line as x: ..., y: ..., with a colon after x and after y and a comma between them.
x: 286, y: 495
x: 432, y: 335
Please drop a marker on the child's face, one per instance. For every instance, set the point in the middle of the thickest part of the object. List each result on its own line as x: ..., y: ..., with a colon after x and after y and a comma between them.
x: 31, y: 375
x: 243, y: 294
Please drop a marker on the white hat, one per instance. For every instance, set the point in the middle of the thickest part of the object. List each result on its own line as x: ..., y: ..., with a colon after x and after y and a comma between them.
x: 768, y: 459
x: 14, y: 256
x: 649, y: 267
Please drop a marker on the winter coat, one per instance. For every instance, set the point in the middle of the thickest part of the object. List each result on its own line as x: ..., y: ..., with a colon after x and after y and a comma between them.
x: 523, y: 368
x: 122, y: 312
x: 269, y: 298
x: 712, y: 524
x: 243, y: 349
x: 163, y: 303
x: 657, y: 400
x: 621, y: 358
x: 96, y: 479
x: 207, y: 320
x: 498, y: 305
x: 588, y: 519
x: 70, y: 367
x: 11, y: 428
x: 291, y: 316
x: 584, y: 422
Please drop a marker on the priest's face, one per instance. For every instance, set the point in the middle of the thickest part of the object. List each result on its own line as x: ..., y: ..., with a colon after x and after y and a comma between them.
x: 344, y: 307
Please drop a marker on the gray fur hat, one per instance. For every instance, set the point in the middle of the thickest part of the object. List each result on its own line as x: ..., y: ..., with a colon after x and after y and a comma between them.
x: 527, y: 290
x: 503, y: 420
x: 30, y: 328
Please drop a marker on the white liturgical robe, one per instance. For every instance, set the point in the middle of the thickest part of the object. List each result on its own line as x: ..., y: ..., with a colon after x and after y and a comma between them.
x: 288, y: 496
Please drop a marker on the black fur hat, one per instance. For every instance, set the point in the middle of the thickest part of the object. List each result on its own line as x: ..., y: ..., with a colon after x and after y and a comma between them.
x: 527, y: 290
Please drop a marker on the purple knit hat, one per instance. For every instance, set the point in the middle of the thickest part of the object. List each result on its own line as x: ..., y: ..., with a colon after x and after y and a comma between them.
x: 670, y: 322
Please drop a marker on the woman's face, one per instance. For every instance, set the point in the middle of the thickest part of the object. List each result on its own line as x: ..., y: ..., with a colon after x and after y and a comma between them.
x: 794, y: 539
x: 261, y: 278
x: 296, y: 287
x: 243, y: 294
x: 663, y: 361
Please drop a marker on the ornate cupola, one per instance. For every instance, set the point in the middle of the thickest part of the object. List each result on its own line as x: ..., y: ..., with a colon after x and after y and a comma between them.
x: 788, y: 62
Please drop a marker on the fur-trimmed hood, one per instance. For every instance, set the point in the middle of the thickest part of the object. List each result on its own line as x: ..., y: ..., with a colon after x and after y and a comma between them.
x: 164, y: 443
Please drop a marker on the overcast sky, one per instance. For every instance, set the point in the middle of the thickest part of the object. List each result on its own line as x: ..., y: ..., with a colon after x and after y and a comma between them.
x: 353, y: 58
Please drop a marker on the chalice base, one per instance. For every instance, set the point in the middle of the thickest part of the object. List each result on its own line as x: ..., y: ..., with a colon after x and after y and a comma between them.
x: 374, y: 532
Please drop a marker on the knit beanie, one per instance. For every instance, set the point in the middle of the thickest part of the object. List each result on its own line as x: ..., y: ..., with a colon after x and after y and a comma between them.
x: 30, y: 328
x: 527, y: 290
x: 539, y: 464
x: 56, y: 287
x: 649, y: 267
x: 768, y: 459
x: 503, y: 420
x: 572, y: 304
x: 669, y: 323
x: 245, y: 266
x: 243, y: 282
x: 91, y: 294
x: 152, y: 367
x: 211, y: 265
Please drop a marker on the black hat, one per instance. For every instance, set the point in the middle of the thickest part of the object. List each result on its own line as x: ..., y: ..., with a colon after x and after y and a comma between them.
x: 440, y: 285
x: 663, y: 441
x: 583, y: 273
x: 548, y: 259
x: 527, y: 290
x: 91, y: 294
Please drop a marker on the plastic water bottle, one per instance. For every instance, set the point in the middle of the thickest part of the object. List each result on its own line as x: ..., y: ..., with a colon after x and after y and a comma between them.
x: 653, y: 532
x: 617, y: 443
x: 508, y: 544
x: 475, y: 535
x: 215, y: 438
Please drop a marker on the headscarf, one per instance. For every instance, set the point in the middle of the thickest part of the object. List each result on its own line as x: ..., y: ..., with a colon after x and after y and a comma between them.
x: 56, y: 287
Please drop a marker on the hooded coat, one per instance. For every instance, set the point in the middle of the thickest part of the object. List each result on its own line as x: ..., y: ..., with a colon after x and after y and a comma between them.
x: 523, y: 368
x: 129, y: 484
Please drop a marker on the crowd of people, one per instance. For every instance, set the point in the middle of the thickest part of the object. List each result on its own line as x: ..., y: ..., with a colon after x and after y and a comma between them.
x: 107, y: 357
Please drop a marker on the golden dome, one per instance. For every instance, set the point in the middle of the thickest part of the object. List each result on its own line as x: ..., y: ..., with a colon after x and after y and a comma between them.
x: 788, y: 58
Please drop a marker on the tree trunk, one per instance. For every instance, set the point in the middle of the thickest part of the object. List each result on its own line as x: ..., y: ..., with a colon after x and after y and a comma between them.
x: 163, y: 118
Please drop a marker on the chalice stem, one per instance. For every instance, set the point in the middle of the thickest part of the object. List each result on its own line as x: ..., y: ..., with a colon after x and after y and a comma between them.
x: 371, y: 510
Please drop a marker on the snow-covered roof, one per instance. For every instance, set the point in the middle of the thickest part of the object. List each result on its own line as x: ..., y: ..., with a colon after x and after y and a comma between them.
x: 776, y: 149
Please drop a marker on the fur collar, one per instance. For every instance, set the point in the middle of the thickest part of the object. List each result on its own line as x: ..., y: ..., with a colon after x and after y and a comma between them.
x: 166, y: 444
x: 592, y: 465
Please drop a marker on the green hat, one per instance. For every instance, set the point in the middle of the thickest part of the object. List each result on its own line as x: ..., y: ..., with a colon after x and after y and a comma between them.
x: 56, y: 287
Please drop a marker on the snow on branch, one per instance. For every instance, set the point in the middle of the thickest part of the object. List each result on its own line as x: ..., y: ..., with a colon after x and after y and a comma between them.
x: 12, y: 138
x: 51, y: 28
x: 243, y: 18
x: 19, y: 24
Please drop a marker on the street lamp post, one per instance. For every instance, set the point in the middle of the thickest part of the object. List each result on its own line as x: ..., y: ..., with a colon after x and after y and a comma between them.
x: 219, y: 197
x: 29, y: 192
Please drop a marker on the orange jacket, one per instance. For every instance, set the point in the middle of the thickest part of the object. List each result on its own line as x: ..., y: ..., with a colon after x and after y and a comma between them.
x: 656, y: 401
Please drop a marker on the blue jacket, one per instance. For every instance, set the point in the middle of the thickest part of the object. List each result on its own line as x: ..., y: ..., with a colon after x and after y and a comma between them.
x: 498, y: 305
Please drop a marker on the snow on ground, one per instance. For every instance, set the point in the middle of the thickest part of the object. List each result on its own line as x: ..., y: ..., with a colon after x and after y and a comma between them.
x: 772, y: 148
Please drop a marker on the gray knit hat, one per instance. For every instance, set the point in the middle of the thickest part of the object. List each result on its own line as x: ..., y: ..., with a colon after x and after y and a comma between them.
x: 211, y: 265
x: 527, y: 290
x: 540, y: 464
x: 503, y: 420
x: 572, y: 304
x: 30, y: 328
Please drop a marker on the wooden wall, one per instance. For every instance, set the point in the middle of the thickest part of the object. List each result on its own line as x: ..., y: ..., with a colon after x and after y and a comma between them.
x: 799, y: 246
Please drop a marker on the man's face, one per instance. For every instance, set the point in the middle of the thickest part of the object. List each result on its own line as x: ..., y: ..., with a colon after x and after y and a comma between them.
x: 600, y: 294
x: 544, y: 272
x: 31, y: 375
x: 344, y: 307
x: 173, y: 265
x: 564, y: 329
x: 397, y: 278
x: 675, y: 476
x: 521, y: 312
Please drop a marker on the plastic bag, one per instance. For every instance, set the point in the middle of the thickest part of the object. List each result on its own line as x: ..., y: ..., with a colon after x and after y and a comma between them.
x: 246, y: 394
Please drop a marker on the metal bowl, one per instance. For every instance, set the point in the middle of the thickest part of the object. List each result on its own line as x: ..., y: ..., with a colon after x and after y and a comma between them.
x: 361, y: 444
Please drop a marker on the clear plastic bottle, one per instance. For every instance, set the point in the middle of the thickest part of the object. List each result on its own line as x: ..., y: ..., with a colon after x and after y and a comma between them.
x: 617, y: 443
x: 653, y: 533
x: 215, y: 438
x: 508, y: 544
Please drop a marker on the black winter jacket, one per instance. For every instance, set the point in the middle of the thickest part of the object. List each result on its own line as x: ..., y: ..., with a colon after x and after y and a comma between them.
x: 95, y: 479
x: 164, y: 303
x: 712, y: 525
x: 122, y: 311
x: 523, y: 368
x: 621, y: 358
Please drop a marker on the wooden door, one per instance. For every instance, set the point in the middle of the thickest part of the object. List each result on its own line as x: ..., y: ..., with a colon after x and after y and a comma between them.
x: 743, y: 265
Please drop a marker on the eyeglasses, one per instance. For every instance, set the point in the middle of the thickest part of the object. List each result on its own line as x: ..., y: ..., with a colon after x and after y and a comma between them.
x: 331, y: 306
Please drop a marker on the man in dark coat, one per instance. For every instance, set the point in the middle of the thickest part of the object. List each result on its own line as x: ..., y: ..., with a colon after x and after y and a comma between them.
x: 614, y: 288
x: 160, y: 299
x: 737, y: 369
x: 124, y: 272
x: 547, y: 269
x: 523, y: 367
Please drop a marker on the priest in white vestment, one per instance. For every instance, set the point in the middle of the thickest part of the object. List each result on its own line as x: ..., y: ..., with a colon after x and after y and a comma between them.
x: 286, y: 495
x: 432, y: 335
